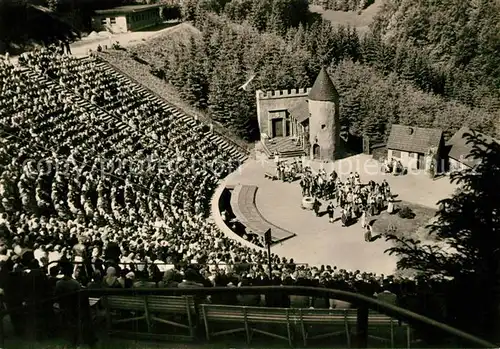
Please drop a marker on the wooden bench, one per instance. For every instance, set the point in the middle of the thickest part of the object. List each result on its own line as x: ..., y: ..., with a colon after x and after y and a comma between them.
x: 270, y: 175
x: 377, y: 320
x: 150, y: 310
x: 247, y: 317
x: 336, y: 318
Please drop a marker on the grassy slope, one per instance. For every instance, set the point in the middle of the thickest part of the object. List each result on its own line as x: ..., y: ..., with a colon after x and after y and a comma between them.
x: 351, y: 18
x: 154, y: 49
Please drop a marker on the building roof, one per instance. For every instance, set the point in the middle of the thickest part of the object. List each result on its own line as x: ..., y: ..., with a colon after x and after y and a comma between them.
x: 300, y: 111
x: 414, y: 139
x: 323, y: 88
x: 460, y: 149
x: 128, y: 9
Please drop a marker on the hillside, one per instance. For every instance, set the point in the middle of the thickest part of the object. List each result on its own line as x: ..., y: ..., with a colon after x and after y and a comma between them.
x: 360, y: 20
x: 454, y: 34
x: 158, y: 48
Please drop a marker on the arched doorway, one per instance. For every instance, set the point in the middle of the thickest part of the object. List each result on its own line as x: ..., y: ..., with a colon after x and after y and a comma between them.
x: 316, y: 151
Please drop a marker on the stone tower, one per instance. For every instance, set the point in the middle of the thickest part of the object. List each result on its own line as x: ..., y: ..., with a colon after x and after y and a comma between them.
x: 324, y: 122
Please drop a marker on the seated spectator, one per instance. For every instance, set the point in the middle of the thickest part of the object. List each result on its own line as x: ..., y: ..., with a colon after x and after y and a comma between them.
x: 386, y: 295
x: 129, y: 280
x: 170, y: 278
x: 189, y: 280
x: 300, y: 301
x: 320, y: 302
x: 53, y: 278
x: 74, y: 307
x: 252, y: 300
x: 110, y: 280
x: 81, y: 276
x: 96, y: 282
x: 277, y: 299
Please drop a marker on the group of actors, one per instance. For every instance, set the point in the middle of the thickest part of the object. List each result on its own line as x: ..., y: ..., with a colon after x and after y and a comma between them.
x: 287, y: 171
x: 355, y: 200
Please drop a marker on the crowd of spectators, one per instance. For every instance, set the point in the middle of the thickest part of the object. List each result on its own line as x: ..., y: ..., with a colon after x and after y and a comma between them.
x: 118, y: 195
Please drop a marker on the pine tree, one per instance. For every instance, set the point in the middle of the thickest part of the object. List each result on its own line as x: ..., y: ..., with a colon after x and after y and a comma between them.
x: 351, y: 113
x: 353, y: 45
x: 369, y: 48
x: 276, y: 22
x: 196, y: 84
x: 258, y: 16
x: 189, y: 10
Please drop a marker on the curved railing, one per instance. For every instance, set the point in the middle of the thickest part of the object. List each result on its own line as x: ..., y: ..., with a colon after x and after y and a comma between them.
x: 361, y: 302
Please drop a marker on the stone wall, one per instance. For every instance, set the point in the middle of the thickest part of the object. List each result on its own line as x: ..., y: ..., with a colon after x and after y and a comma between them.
x: 324, y: 126
x: 277, y: 100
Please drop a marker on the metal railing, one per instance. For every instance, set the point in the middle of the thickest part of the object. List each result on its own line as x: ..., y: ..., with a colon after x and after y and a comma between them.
x: 361, y: 302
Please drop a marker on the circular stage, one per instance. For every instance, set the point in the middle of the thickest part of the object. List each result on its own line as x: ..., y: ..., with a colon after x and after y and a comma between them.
x: 317, y: 242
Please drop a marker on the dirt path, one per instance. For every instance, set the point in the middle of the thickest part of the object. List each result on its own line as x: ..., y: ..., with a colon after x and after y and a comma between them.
x: 81, y: 47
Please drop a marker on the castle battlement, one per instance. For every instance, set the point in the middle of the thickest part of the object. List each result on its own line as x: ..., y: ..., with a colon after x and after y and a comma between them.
x: 297, y: 92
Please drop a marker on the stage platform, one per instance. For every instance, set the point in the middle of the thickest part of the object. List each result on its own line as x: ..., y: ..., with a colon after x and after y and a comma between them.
x: 317, y: 241
x: 243, y: 206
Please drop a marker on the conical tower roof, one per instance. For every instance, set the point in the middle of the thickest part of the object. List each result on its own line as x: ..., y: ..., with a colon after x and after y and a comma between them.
x: 323, y: 89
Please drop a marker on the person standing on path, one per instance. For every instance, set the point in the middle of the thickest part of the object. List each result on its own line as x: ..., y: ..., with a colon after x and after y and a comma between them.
x: 368, y: 233
x: 67, y: 47
x: 330, y: 211
x: 363, y: 219
x: 316, y: 206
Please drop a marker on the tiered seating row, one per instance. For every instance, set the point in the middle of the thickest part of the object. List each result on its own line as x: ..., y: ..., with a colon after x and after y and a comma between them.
x: 235, y: 153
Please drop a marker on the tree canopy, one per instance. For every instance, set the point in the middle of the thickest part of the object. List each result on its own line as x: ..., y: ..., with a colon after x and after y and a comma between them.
x: 460, y: 38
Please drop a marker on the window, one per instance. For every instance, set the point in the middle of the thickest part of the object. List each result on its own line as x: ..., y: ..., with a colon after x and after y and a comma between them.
x: 113, y: 20
x: 323, y: 126
x: 103, y: 21
x: 396, y: 154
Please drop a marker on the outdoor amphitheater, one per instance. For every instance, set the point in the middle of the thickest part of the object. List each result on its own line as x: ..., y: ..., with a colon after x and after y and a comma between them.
x: 114, y: 212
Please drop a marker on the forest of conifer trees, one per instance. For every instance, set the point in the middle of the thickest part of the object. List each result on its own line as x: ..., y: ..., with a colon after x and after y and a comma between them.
x: 380, y: 83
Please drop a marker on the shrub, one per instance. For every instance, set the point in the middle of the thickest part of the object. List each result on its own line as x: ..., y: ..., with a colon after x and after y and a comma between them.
x: 406, y: 212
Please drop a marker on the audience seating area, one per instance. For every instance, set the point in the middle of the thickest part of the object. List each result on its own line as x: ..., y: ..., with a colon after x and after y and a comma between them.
x: 101, y: 175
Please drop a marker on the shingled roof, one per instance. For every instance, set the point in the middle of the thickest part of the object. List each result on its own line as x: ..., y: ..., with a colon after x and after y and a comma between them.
x: 300, y: 111
x: 460, y: 149
x: 323, y: 89
x: 413, y: 139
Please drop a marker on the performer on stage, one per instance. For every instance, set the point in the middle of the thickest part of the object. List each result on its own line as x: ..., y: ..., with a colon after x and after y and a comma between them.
x: 316, y: 206
x: 390, y: 206
x: 363, y: 219
x: 330, y: 211
x: 343, y: 217
x: 368, y: 233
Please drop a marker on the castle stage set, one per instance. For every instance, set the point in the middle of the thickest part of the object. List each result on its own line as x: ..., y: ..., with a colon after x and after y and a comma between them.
x: 301, y: 122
